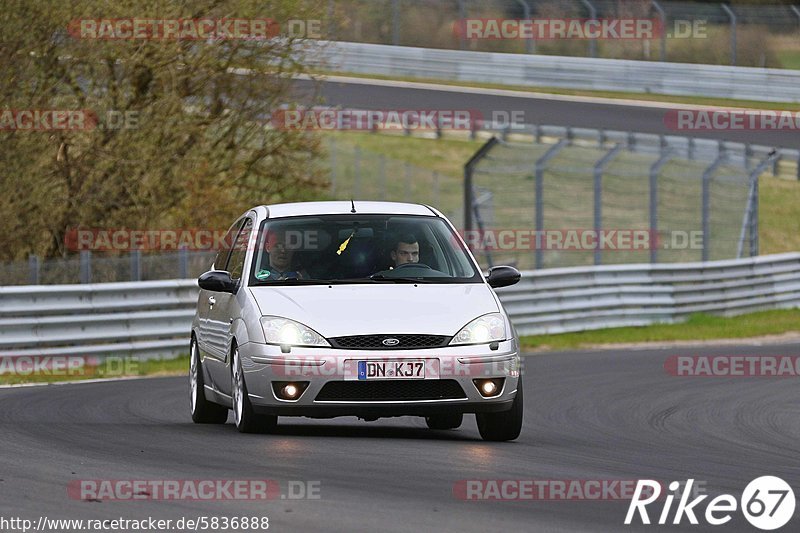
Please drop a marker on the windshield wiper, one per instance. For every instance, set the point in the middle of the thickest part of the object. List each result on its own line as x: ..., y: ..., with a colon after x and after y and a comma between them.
x: 381, y: 277
x: 290, y: 281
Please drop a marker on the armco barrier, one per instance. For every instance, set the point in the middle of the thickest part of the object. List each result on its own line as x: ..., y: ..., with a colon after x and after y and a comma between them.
x: 581, y: 298
x: 153, y: 318
x: 686, y: 79
x: 141, y: 319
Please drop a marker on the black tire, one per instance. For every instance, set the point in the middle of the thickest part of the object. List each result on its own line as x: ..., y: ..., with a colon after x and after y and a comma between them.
x: 505, y: 425
x: 244, y: 417
x: 203, y: 411
x: 448, y: 421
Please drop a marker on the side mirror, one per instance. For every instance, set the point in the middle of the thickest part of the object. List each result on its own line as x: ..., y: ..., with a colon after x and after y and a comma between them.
x: 217, y: 281
x: 502, y: 276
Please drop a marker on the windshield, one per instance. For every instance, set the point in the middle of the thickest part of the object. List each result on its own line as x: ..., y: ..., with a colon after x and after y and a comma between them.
x: 354, y: 248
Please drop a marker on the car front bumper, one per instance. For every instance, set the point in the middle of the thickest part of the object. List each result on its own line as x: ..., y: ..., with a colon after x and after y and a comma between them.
x: 264, y: 365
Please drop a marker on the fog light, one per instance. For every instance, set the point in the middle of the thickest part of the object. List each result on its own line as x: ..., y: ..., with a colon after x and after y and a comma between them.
x: 489, y: 387
x: 289, y: 390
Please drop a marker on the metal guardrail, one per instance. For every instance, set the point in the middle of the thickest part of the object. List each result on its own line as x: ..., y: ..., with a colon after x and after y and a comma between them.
x: 717, y: 81
x: 430, y: 24
x: 144, y: 319
x: 582, y: 298
x: 141, y: 319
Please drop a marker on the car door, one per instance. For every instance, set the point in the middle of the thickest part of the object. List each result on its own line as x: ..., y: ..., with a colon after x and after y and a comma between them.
x: 205, y: 333
x: 224, y: 309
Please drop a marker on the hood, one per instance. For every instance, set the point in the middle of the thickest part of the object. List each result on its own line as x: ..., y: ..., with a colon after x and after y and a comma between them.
x: 374, y: 309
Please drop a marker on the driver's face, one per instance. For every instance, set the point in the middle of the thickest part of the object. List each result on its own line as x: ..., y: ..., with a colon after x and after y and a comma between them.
x: 280, y: 255
x: 405, y: 253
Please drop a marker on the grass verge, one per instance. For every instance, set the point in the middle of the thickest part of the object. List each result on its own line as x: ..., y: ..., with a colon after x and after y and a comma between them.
x: 698, y: 327
x: 15, y: 373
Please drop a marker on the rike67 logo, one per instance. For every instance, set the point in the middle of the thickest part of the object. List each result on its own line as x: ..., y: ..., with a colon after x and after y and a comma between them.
x: 767, y: 503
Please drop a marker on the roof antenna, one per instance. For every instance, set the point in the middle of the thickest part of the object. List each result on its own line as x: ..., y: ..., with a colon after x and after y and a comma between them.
x: 353, y: 210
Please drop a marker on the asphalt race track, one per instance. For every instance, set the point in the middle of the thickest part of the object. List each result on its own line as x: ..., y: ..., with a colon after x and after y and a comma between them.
x: 589, y: 415
x: 645, y: 118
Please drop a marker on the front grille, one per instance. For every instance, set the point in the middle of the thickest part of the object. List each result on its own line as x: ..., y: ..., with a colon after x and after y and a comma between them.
x: 368, y: 391
x: 375, y: 342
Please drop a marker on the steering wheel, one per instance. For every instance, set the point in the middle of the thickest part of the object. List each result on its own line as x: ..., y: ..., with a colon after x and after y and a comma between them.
x: 406, y: 265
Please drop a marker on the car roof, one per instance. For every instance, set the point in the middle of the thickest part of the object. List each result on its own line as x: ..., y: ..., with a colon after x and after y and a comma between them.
x: 345, y: 207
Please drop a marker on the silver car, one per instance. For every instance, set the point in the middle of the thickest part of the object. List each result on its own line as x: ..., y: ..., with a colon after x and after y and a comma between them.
x: 368, y: 309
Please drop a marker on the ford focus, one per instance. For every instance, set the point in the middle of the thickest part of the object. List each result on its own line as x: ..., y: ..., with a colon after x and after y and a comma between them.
x: 367, y: 309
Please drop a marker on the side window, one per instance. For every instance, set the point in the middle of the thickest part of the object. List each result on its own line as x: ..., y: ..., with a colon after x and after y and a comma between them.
x: 236, y: 261
x: 221, y: 261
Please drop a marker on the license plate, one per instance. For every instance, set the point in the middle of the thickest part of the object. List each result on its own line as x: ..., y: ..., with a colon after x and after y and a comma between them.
x: 410, y: 369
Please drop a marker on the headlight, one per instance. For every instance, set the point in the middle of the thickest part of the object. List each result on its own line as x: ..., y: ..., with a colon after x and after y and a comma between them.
x: 486, y: 328
x: 283, y: 331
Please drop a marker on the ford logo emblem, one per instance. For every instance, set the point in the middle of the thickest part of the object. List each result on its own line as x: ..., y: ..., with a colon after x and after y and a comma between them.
x: 390, y: 341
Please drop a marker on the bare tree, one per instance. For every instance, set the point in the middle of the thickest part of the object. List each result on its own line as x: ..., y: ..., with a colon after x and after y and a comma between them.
x: 178, y: 136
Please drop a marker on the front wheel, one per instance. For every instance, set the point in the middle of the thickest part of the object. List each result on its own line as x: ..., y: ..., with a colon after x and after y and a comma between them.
x: 203, y: 411
x: 245, y: 418
x: 505, y: 425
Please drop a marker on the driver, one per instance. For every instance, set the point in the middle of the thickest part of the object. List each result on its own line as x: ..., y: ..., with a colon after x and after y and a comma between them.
x: 405, y: 250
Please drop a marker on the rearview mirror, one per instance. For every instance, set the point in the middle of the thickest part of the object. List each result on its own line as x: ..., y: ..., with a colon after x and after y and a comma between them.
x: 502, y: 276
x: 217, y: 281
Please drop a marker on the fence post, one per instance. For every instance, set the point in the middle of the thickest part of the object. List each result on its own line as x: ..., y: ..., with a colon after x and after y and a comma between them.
x: 599, y: 168
x: 331, y: 19
x: 732, y: 16
x: 655, y: 169
x: 750, y: 218
x: 333, y: 166
x: 86, y: 266
x: 539, y: 200
x: 33, y: 269
x: 663, y: 16
x: 469, y: 192
x: 795, y: 11
x: 775, y: 163
x: 183, y: 262
x: 462, y: 14
x: 754, y: 220
x: 706, y: 202
x: 395, y: 22
x: 407, y: 175
x: 748, y: 154
x: 592, y: 16
x: 136, y: 265
x: 356, y: 191
x: 382, y: 163
x: 526, y: 14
